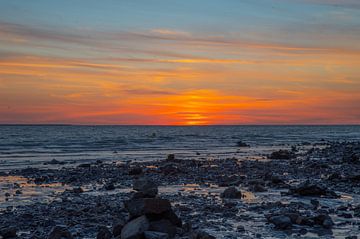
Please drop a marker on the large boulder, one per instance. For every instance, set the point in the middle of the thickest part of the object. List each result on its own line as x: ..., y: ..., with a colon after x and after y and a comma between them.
x: 146, y: 187
x: 59, y: 232
x: 231, y: 192
x: 144, y: 206
x: 135, y: 228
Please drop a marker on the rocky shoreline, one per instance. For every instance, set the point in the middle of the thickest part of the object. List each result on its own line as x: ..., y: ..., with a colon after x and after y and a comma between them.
x: 301, y: 191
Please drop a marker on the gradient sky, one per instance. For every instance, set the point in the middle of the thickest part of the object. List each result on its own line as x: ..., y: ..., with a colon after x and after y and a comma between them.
x: 180, y: 62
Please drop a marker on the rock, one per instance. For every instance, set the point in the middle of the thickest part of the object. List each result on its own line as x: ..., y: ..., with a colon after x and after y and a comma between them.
x: 164, y: 226
x: 8, y: 232
x: 18, y: 192
x: 324, y: 220
x: 281, y: 154
x: 231, y: 192
x: 242, y: 144
x: 59, y: 232
x: 311, y: 189
x: 155, y: 235
x: 109, y: 186
x: 281, y: 222
x: 136, y: 170
x: 170, y: 157
x: 142, y: 206
x: 257, y: 188
x: 84, y: 165
x: 146, y: 187
x: 54, y: 161
x: 104, y: 233
x: 117, y: 227
x: 135, y: 229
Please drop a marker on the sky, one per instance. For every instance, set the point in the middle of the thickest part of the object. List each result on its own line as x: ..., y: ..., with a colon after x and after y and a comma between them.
x: 180, y: 62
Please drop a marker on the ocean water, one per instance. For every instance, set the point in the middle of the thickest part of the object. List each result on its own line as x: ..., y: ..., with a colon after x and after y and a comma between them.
x: 24, y: 146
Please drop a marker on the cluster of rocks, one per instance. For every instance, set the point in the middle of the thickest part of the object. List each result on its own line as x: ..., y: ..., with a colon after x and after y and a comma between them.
x: 152, y: 217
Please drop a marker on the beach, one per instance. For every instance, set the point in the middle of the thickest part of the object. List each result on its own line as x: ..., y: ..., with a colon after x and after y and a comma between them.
x: 272, y: 189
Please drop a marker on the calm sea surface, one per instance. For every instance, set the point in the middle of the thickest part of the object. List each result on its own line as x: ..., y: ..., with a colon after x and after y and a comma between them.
x: 22, y: 146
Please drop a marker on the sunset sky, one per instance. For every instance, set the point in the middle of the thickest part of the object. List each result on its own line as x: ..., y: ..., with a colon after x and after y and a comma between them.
x: 180, y: 62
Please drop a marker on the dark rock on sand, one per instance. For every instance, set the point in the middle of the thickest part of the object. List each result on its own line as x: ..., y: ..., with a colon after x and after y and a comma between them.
x: 170, y: 157
x: 135, y: 229
x: 146, y: 187
x: 104, y: 233
x: 231, y: 192
x: 136, y: 170
x: 281, y: 222
x: 59, y: 232
x: 312, y: 189
x: 281, y: 154
x: 9, y: 232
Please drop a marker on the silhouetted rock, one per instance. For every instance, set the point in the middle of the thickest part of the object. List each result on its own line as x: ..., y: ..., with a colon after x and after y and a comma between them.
x: 231, y: 192
x: 242, y: 144
x: 281, y: 222
x: 136, y: 170
x: 311, y: 189
x: 281, y: 154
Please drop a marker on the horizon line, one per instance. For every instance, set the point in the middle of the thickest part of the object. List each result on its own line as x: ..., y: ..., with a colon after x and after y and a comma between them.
x: 173, y: 125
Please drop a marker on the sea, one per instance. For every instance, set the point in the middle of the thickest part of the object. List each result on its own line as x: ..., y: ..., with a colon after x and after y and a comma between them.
x: 35, y: 145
